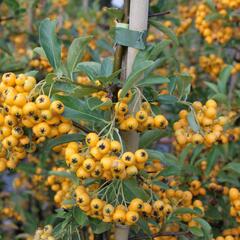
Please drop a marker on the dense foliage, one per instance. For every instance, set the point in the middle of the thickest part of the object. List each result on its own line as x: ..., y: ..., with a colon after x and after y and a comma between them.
x: 68, y: 110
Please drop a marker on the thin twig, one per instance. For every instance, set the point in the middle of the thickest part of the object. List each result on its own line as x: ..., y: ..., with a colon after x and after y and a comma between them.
x: 159, y: 14
x: 232, y: 85
x: 79, y: 126
x: 174, y: 234
x: 7, y: 18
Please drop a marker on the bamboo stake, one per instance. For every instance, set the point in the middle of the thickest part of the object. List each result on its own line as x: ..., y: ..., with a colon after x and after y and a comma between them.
x: 138, y: 21
x: 85, y: 5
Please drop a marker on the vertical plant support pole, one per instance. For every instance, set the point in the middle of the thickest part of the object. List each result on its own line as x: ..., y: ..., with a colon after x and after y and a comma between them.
x: 85, y: 5
x: 138, y: 21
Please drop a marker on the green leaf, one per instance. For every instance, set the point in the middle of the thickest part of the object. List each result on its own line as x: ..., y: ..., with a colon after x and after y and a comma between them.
x: 205, y: 227
x: 158, y: 48
x: 152, y: 81
x: 149, y: 137
x: 75, y: 53
x: 32, y: 73
x: 13, y: 4
x: 94, y: 103
x: 26, y: 167
x: 170, y: 171
x: 211, y: 4
x: 98, y: 226
x: 63, y: 174
x: 184, y: 210
x: 196, y: 153
x: 143, y: 224
x: 196, y: 231
x: 193, y: 122
x: 167, y: 99
x: 107, y: 67
x: 77, y: 110
x: 212, y: 86
x: 212, y: 157
x: 233, y: 167
x: 5, y: 47
x: 50, y: 43
x: 165, y: 30
x: 49, y: 144
x: 213, y: 16
x: 157, y: 155
x: 133, y: 78
x: 91, y: 69
x: 220, y: 97
x: 132, y: 190
x: 115, y: 13
x: 223, y: 78
x: 83, y: 114
x: 40, y: 52
x: 80, y: 217
x: 184, y: 153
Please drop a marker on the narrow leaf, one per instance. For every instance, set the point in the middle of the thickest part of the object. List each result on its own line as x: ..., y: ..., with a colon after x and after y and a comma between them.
x: 50, y: 43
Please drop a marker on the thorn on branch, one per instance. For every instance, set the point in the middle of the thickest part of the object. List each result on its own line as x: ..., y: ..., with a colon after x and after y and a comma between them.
x: 79, y: 126
x: 165, y: 234
x: 6, y: 19
x: 159, y: 14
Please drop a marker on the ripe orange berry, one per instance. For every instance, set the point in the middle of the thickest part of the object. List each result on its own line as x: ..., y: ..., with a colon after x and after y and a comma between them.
x: 126, y: 98
x: 117, y: 166
x: 92, y: 139
x: 160, y: 121
x: 211, y: 103
x: 89, y: 164
x: 57, y: 107
x: 9, y: 79
x: 103, y: 146
x: 116, y: 146
x: 141, y: 116
x: 197, y: 138
x: 136, y: 205
x: 106, y: 163
x: 132, y: 170
x: 210, y: 112
x: 29, y: 109
x: 128, y: 158
x: 83, y: 199
x: 3, y: 164
x: 121, y: 108
x: 97, y: 204
x: 43, y: 102
x: 131, y: 124
x: 132, y: 217
x: 141, y: 156
x: 119, y: 216
x: 234, y: 194
x: 108, y: 210
x: 158, y: 205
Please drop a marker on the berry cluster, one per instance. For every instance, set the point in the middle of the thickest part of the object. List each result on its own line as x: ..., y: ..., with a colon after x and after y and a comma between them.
x: 41, y: 63
x: 129, y: 215
x: 211, y: 127
x: 19, y: 112
x: 46, y: 233
x: 213, y: 30
x: 142, y: 120
x: 8, y: 212
x: 212, y: 65
x: 229, y: 234
x: 234, y: 196
x: 62, y: 186
x: 102, y: 158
